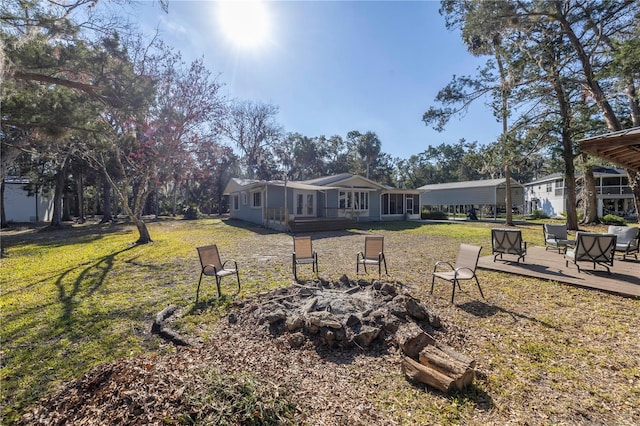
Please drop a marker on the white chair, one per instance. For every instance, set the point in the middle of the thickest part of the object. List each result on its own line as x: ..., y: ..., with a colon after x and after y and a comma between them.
x: 508, y: 241
x: 464, y: 269
x: 594, y: 248
x: 555, y: 236
x: 628, y: 241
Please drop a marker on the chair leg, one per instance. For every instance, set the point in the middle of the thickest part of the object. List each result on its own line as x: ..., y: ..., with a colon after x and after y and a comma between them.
x: 218, y: 279
x: 238, y: 278
x: 433, y: 278
x: 479, y: 288
x: 453, y: 293
x: 384, y: 259
x: 293, y: 265
x: 198, y: 290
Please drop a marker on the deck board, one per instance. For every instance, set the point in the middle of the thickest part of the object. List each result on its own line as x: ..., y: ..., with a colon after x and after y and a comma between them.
x: 549, y: 265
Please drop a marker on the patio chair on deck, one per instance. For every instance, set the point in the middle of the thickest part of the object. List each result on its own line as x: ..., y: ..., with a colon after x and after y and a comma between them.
x: 508, y: 241
x: 555, y: 236
x: 590, y: 247
x: 303, y: 253
x: 373, y: 255
x: 213, y: 266
x: 464, y: 269
x: 628, y: 241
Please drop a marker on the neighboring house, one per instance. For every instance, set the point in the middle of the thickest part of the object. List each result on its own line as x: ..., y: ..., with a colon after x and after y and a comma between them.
x: 345, y: 197
x: 612, y: 191
x: 486, y: 196
x: 24, y: 205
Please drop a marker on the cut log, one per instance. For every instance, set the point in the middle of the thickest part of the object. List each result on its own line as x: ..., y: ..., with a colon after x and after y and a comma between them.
x: 412, y: 339
x: 461, y: 371
x: 427, y: 375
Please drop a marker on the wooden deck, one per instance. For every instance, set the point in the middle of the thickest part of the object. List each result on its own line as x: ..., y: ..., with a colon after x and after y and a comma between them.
x: 549, y: 265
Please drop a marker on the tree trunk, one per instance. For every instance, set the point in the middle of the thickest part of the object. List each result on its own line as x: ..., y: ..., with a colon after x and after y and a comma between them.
x: 56, y: 216
x: 508, y: 199
x: 634, y: 183
x: 589, y: 196
x: 106, y: 196
x: 144, y: 236
x: 80, y: 189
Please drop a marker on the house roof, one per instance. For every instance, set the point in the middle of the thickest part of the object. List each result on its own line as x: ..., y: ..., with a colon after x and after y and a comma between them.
x: 341, y: 181
x: 346, y: 180
x: 621, y: 148
x: 468, y: 184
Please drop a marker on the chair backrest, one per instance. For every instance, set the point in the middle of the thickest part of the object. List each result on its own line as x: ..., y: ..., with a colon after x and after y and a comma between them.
x: 625, y: 234
x: 595, y: 247
x: 209, y: 255
x: 506, y: 240
x: 552, y: 230
x: 302, y: 247
x: 373, y: 246
x: 468, y: 256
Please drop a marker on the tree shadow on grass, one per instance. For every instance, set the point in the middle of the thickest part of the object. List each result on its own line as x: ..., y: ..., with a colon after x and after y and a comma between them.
x: 484, y: 310
x: 96, y: 272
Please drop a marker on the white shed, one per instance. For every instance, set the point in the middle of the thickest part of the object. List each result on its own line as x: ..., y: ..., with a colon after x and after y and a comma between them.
x: 487, y: 195
x: 22, y: 206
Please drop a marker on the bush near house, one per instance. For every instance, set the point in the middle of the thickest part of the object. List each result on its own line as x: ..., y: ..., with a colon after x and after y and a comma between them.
x: 433, y: 215
x: 612, y: 219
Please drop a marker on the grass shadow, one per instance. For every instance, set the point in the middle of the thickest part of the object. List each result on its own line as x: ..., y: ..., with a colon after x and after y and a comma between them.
x: 484, y: 310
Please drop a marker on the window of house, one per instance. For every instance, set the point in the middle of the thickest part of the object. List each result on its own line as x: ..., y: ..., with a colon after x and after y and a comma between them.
x: 356, y: 200
x: 361, y: 200
x: 549, y: 186
x: 611, y: 181
x: 235, y: 202
x: 392, y: 204
x: 245, y: 197
x: 256, y: 199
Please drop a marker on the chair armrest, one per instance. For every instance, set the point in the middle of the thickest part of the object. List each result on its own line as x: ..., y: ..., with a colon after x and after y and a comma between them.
x: 442, y: 262
x: 462, y: 268
x: 235, y: 264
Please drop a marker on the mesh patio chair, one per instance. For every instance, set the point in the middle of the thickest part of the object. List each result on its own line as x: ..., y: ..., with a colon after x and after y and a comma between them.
x: 373, y: 255
x: 213, y: 266
x: 598, y: 249
x: 555, y: 236
x: 508, y: 241
x: 303, y: 253
x: 464, y: 268
x: 628, y: 241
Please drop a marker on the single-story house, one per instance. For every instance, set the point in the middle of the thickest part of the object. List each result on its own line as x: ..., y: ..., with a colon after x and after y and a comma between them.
x: 24, y: 202
x: 343, y: 198
x: 612, y: 192
x: 488, y: 197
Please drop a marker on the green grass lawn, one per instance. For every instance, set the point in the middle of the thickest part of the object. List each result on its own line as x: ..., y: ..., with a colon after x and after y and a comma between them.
x: 77, y: 298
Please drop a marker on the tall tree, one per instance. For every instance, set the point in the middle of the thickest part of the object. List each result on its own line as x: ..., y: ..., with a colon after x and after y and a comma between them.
x: 252, y: 128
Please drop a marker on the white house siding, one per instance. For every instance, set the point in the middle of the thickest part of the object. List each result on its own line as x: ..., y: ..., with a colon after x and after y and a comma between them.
x: 612, y: 192
x: 487, y: 194
x: 19, y: 206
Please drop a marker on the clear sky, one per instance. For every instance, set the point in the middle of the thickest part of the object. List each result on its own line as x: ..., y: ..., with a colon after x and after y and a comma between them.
x: 334, y: 66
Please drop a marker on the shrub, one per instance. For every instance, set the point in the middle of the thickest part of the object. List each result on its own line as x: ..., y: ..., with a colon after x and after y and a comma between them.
x: 539, y: 214
x: 433, y: 215
x: 191, y: 213
x: 612, y: 219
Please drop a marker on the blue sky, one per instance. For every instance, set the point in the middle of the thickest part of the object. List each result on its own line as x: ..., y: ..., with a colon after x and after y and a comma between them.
x: 333, y: 67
